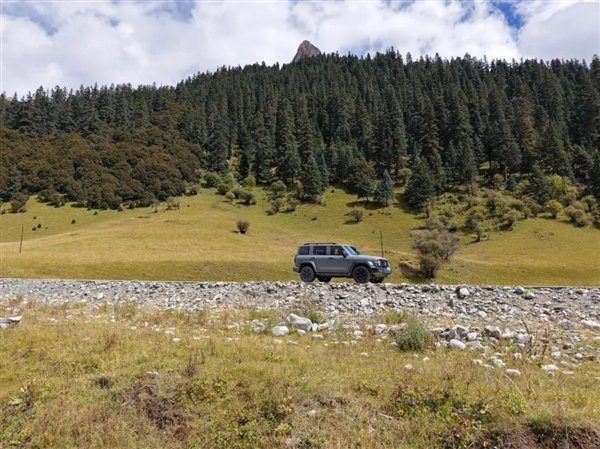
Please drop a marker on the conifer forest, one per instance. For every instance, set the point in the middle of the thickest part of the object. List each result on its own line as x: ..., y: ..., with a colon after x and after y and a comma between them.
x: 361, y: 123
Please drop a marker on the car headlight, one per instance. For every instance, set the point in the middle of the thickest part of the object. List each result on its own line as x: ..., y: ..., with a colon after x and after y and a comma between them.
x: 371, y: 264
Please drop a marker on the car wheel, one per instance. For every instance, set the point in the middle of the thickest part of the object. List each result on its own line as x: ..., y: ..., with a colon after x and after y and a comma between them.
x: 307, y: 274
x: 361, y: 274
x: 324, y: 278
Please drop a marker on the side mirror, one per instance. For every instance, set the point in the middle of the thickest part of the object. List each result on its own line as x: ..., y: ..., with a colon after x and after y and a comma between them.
x: 345, y: 254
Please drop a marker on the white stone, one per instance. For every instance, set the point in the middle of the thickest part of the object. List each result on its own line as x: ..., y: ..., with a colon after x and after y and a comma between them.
x: 312, y: 413
x: 472, y: 336
x: 279, y: 331
x: 463, y: 292
x: 293, y: 320
x: 566, y: 324
x: 409, y: 367
x: 549, y: 368
x: 457, y: 344
x: 513, y: 372
x: 591, y: 324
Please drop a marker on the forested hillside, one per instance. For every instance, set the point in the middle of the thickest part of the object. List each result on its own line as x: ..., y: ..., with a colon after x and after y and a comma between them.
x: 331, y: 119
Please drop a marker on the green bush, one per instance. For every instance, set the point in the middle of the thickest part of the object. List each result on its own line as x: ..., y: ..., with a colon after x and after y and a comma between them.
x: 242, y: 226
x: 356, y: 214
x: 577, y: 216
x: 212, y: 179
x: 553, y: 207
x: 413, y: 337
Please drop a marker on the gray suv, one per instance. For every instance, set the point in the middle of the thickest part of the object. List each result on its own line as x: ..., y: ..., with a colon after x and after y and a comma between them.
x: 327, y: 260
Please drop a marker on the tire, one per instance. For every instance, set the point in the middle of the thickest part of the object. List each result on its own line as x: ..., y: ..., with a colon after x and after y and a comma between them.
x: 307, y: 274
x: 324, y: 278
x: 361, y: 274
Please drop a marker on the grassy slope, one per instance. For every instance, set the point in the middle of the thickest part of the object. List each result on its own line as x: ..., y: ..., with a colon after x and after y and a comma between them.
x: 76, y: 377
x: 199, y: 242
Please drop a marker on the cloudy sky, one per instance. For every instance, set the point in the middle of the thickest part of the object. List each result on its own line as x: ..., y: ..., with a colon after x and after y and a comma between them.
x: 73, y: 42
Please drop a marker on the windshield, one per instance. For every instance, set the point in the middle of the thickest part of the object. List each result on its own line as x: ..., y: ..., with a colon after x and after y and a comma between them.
x: 352, y: 250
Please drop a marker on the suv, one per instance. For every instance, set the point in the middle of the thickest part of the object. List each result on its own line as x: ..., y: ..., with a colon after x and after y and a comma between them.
x: 327, y: 260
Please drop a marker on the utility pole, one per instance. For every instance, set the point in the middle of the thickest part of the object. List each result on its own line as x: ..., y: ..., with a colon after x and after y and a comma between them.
x: 381, y: 241
x: 21, y: 242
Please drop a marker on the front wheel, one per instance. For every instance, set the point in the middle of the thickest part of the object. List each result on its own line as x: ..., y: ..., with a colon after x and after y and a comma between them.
x: 361, y: 274
x: 307, y: 274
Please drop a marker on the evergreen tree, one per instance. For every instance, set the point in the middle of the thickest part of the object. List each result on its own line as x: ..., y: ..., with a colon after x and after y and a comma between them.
x: 287, y: 158
x: 384, y: 191
x: 420, y: 187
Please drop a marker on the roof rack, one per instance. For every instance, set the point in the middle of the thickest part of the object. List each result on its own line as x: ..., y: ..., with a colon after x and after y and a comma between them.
x: 320, y: 243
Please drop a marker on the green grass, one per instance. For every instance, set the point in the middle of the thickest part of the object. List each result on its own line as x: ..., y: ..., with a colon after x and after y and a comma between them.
x: 200, y: 242
x: 76, y: 377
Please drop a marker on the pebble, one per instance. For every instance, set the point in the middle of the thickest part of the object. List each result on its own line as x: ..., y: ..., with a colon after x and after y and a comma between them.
x: 457, y: 344
x: 513, y: 372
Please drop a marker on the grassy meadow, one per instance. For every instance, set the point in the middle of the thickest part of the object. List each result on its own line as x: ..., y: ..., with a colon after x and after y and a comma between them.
x: 200, y: 242
x: 122, y: 377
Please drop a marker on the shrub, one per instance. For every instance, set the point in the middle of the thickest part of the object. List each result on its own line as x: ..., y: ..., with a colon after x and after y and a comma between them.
x: 18, y: 203
x: 230, y: 196
x: 553, y: 207
x: 247, y: 197
x: 172, y: 203
x: 292, y: 203
x: 276, y: 190
x: 433, y: 247
x: 73, y: 221
x: 533, y: 206
x: 222, y: 188
x: 277, y: 205
x: 212, y: 179
x: 577, y: 216
x: 497, y: 181
x: 356, y: 214
x: 413, y: 337
x: 509, y: 219
x: 242, y: 226
x: 249, y: 182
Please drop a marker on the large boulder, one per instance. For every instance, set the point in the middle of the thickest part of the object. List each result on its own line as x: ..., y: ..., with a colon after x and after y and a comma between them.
x: 299, y: 322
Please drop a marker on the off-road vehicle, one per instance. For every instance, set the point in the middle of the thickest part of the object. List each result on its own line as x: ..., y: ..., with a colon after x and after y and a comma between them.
x: 327, y: 260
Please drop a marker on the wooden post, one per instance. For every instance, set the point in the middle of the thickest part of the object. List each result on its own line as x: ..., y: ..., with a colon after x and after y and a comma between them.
x: 21, y: 242
x: 381, y: 240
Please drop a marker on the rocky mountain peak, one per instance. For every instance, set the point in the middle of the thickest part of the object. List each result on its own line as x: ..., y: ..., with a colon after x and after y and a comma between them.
x: 306, y: 50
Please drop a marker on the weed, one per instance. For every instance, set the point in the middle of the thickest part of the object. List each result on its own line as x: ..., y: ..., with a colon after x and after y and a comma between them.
x: 413, y: 337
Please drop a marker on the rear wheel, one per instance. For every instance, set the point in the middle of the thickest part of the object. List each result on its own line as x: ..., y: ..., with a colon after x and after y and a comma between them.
x: 324, y: 278
x: 307, y: 274
x: 361, y: 274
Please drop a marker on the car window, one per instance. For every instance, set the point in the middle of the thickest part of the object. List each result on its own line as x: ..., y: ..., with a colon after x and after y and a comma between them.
x: 303, y: 250
x: 356, y: 251
x: 336, y: 251
x: 319, y: 250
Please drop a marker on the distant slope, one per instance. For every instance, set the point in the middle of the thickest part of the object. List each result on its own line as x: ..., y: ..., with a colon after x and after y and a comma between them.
x: 199, y: 242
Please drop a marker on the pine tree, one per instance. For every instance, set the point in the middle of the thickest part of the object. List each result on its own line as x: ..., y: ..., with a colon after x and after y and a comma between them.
x: 384, y: 191
x: 420, y: 187
x: 287, y: 158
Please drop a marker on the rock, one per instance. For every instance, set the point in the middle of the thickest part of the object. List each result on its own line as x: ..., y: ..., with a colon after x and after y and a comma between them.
x: 409, y: 367
x: 10, y: 321
x: 463, y: 292
x: 566, y: 324
x: 380, y: 328
x: 497, y: 362
x: 306, y: 50
x: 472, y: 336
x: 513, y: 372
x: 293, y: 320
x: 550, y: 368
x: 529, y: 295
x: 519, y: 290
x: 279, y: 331
x: 492, y: 331
x: 311, y: 413
x: 590, y: 324
x: 457, y: 344
x: 457, y: 332
x: 258, y: 328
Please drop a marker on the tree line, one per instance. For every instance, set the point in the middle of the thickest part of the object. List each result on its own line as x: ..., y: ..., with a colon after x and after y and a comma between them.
x: 359, y: 122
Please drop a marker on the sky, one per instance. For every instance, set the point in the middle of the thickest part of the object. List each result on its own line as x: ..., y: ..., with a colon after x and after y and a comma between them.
x: 70, y: 43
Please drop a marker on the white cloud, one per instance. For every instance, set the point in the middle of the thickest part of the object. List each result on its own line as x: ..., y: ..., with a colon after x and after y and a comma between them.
x: 69, y: 43
x: 567, y: 30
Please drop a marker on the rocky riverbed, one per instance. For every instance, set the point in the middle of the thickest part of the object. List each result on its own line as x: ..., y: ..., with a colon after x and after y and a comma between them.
x: 560, y: 326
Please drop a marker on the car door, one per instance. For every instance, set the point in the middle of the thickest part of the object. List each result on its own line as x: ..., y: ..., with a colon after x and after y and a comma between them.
x: 319, y: 258
x: 336, y: 262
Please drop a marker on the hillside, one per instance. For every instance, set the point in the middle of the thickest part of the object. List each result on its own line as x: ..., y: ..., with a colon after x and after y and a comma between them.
x: 199, y: 242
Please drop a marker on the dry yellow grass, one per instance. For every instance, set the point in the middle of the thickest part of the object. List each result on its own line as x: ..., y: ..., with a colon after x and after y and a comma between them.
x: 76, y: 377
x: 199, y: 242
